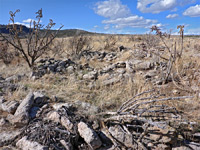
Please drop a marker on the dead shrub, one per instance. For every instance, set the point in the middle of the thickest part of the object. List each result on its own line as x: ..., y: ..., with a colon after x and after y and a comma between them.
x: 5, y: 55
x: 37, y: 40
x: 110, y: 42
x: 79, y: 43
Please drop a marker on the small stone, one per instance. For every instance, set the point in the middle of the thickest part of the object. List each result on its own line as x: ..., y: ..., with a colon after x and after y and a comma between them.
x: 58, y: 106
x: 90, y: 76
x: 39, y: 97
x: 53, y: 116
x: 67, y: 145
x: 166, y: 139
x: 150, y: 145
x: 66, y: 123
x: 89, y: 135
x: 163, y: 147
x: 70, y: 69
x: 2, y: 122
x: 155, y: 137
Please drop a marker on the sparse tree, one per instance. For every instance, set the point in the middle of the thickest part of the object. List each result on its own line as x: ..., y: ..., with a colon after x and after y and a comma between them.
x: 36, y: 41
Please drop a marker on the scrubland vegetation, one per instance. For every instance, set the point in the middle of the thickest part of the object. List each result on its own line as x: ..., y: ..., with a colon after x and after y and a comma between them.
x: 109, y: 78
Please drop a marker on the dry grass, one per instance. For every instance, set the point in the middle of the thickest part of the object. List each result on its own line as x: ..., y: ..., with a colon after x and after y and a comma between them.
x: 70, y: 88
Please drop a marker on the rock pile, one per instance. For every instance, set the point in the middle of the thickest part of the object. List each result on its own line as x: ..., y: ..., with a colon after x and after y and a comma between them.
x: 37, y: 123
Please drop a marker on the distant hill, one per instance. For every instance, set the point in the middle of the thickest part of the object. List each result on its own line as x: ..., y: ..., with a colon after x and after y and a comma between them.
x: 61, y: 33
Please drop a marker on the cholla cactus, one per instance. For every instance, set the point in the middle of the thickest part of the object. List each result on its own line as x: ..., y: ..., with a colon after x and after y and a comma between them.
x: 37, y: 42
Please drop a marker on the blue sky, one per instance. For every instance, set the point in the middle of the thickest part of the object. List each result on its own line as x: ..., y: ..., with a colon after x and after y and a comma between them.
x: 109, y: 16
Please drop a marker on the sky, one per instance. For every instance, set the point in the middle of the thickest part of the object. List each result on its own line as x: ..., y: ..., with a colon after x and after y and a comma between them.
x: 108, y: 16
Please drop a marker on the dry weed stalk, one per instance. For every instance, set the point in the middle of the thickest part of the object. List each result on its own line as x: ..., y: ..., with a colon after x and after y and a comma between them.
x: 109, y: 42
x: 78, y: 43
x: 37, y: 41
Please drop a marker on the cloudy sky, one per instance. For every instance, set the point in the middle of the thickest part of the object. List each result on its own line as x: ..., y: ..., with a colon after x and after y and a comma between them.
x: 109, y: 16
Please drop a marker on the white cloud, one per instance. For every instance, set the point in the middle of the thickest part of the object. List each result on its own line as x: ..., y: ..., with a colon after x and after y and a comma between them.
x: 120, y: 15
x: 193, y: 11
x: 131, y: 21
x: 157, y: 6
x: 24, y: 24
x: 28, y: 20
x: 172, y: 16
x: 112, y: 9
x: 193, y: 31
x: 106, y: 27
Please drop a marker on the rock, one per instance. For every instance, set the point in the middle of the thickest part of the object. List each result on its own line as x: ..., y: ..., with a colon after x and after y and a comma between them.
x: 39, y: 98
x: 2, y: 100
x: 162, y: 147
x: 9, y: 106
x: 2, y: 122
x: 53, y: 116
x: 8, y: 136
x: 25, y: 144
x: 67, y: 145
x: 89, y: 135
x: 121, y: 64
x: 14, y: 78
x: 66, y: 123
x: 8, y: 148
x: 181, y: 148
x: 121, y: 48
x: 58, y: 106
x: 166, y: 140
x: 33, y: 111
x: 143, y: 66
x: 90, y: 76
x: 22, y: 112
x: 121, y: 71
x: 150, y: 145
x: 70, y: 69
x: 129, y: 67
x: 155, y: 137
x: 118, y: 133
x: 111, y: 81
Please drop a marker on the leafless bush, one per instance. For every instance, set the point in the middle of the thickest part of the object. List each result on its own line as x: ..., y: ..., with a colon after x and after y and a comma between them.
x: 37, y: 41
x: 110, y: 42
x: 5, y: 55
x: 78, y: 43
x: 58, y: 47
x: 151, y: 41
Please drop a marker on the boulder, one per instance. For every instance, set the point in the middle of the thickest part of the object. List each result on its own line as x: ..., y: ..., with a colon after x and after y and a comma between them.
x: 89, y: 135
x: 22, y: 113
